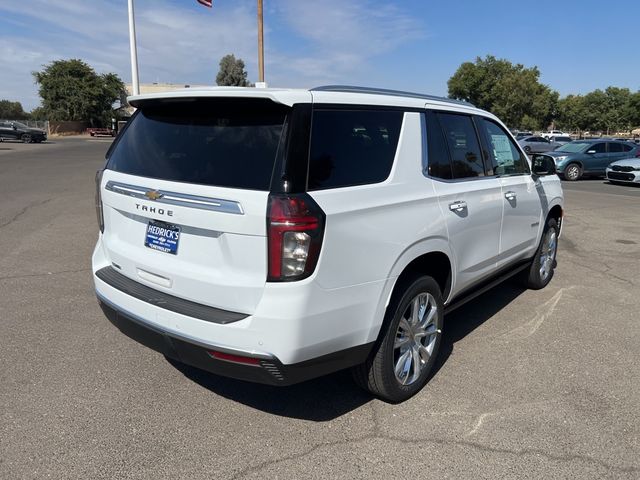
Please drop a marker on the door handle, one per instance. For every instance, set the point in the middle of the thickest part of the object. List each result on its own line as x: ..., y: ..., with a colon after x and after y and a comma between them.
x: 458, y: 206
x: 510, y: 195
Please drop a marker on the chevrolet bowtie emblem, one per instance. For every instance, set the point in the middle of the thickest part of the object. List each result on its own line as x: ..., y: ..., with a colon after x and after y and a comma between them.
x: 153, y: 195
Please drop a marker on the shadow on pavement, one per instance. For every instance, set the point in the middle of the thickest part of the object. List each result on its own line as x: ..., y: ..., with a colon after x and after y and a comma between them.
x: 464, y: 320
x: 326, y: 398
x: 318, y: 400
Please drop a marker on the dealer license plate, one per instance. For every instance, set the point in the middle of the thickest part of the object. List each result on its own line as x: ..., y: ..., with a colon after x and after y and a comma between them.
x: 163, y: 237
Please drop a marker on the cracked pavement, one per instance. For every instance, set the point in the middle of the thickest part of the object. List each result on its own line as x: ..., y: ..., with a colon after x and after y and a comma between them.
x: 530, y: 384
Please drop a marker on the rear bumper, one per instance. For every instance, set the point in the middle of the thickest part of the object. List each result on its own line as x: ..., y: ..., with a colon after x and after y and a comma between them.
x: 267, y: 369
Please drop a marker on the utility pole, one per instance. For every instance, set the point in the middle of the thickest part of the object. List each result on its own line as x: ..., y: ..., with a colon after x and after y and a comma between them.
x: 134, y: 53
x: 261, y: 82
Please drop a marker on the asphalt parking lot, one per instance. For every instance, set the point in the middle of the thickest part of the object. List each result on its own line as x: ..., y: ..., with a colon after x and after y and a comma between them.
x: 531, y: 384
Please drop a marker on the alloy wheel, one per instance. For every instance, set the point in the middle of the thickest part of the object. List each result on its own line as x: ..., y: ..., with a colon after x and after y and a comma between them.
x: 548, y: 253
x: 415, y: 338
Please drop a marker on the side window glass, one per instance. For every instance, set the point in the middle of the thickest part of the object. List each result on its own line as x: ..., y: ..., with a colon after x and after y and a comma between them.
x: 627, y: 148
x: 615, y: 148
x: 460, y: 136
x: 505, y: 157
x: 598, y: 148
x: 352, y: 147
x: 438, y: 161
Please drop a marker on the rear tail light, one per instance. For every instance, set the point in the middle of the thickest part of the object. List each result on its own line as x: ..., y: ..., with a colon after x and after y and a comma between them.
x: 99, y: 213
x: 295, y: 228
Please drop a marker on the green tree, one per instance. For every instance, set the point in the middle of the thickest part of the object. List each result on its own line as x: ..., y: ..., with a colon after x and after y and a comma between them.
x: 616, y: 115
x: 633, y: 110
x: 232, y: 73
x: 38, y: 113
x: 512, y: 92
x: 573, y: 114
x: 72, y: 90
x: 12, y: 110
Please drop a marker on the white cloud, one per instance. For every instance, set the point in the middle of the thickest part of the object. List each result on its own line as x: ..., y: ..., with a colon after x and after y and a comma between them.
x: 328, y: 41
x: 342, y: 38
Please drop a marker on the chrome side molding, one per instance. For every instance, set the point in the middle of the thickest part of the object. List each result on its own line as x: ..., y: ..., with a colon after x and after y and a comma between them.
x: 174, y: 198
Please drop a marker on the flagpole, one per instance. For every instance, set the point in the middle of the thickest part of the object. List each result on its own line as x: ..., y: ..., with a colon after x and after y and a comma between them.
x: 260, y: 45
x: 134, y: 51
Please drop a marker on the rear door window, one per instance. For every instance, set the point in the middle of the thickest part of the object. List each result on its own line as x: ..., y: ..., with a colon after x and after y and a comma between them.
x: 220, y: 143
x: 464, y: 148
x: 438, y: 161
x: 352, y: 147
x: 615, y: 147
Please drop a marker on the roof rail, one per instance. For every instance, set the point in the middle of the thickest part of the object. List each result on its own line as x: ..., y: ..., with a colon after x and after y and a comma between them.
x: 384, y: 91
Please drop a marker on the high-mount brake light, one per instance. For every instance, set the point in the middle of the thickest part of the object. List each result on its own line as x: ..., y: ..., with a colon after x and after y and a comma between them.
x: 295, y: 228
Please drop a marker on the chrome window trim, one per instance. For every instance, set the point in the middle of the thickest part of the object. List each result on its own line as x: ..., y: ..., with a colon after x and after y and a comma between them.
x: 178, y: 199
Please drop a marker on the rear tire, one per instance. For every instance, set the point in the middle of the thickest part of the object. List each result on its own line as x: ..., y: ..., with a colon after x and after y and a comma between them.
x: 543, y: 265
x: 572, y: 172
x: 402, y: 360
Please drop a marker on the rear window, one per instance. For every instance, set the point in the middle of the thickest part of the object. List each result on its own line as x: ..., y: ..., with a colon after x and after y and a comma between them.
x: 352, y: 147
x: 219, y: 142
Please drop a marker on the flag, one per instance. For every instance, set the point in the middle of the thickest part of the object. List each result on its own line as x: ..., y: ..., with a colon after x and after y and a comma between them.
x: 206, y: 3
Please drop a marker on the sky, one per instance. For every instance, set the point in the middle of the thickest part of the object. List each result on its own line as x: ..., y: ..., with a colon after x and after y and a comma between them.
x: 413, y: 45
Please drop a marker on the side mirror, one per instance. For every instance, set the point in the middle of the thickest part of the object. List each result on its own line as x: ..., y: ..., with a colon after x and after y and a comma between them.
x: 14, y: 126
x: 543, y: 165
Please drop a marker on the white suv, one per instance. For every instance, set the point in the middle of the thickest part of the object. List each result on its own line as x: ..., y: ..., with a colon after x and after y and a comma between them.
x: 278, y: 235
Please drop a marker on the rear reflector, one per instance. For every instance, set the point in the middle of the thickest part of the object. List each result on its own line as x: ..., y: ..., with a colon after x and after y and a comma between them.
x: 234, y: 358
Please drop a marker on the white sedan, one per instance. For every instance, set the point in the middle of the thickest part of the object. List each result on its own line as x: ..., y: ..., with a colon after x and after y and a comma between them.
x: 624, y: 171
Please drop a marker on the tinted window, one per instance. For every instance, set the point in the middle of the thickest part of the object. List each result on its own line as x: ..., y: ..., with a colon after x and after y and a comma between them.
x: 627, y: 148
x: 352, y: 147
x: 574, y: 147
x: 615, y: 148
x: 598, y: 147
x: 437, y: 153
x: 227, y: 144
x: 505, y: 157
x: 460, y: 135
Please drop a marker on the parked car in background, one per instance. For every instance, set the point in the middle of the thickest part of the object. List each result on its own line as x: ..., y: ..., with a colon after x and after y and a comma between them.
x: 520, y: 135
x: 555, y: 133
x: 101, y: 132
x: 536, y: 144
x: 22, y: 132
x: 624, y: 171
x: 590, y: 157
x: 560, y: 140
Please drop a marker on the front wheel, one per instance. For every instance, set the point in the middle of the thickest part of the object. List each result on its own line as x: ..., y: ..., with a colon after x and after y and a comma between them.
x: 527, y: 149
x: 543, y: 265
x: 26, y: 138
x: 403, y: 358
x: 573, y: 172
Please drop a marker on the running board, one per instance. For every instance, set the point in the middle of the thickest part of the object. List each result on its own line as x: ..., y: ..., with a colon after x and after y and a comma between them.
x: 483, y: 287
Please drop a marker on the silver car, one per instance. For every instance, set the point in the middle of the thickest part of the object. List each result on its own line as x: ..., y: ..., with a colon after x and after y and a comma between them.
x: 536, y: 144
x: 624, y: 171
x: 560, y: 140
